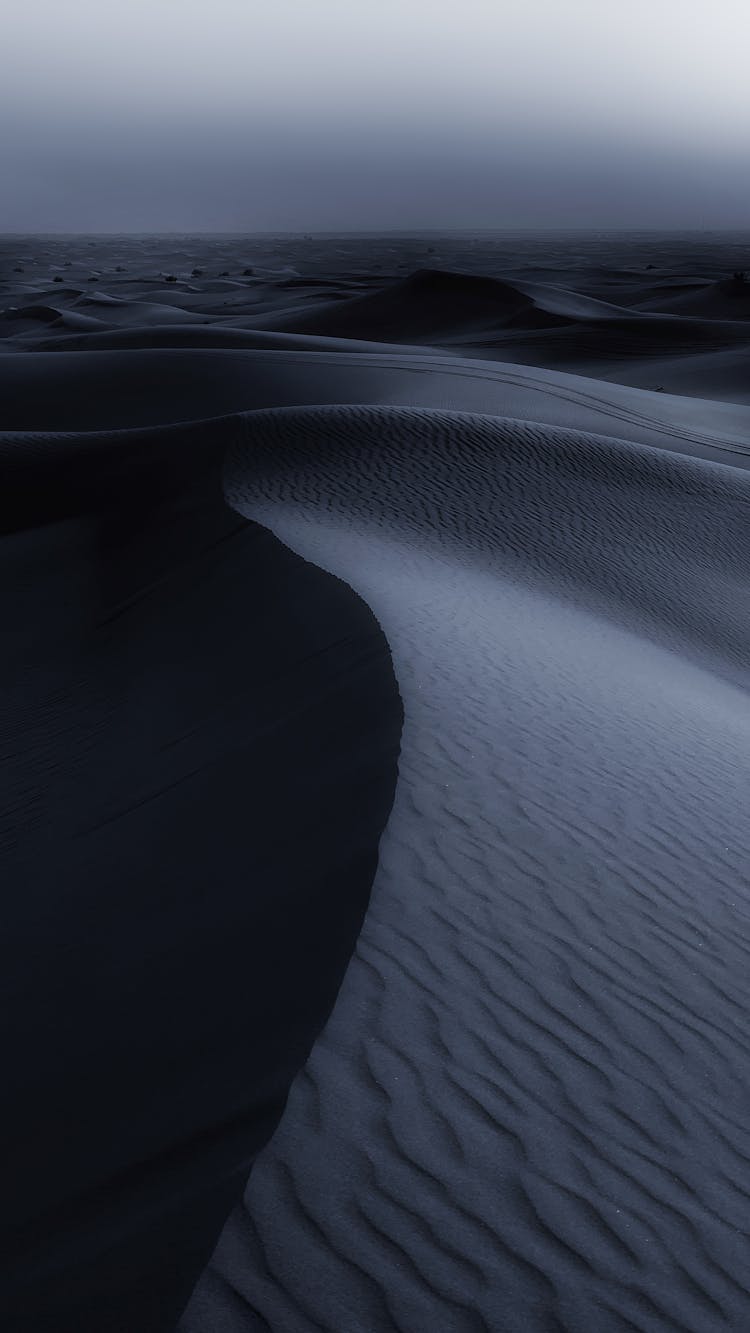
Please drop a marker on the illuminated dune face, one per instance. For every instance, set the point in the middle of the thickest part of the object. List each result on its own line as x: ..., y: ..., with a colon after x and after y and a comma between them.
x: 544, y: 1093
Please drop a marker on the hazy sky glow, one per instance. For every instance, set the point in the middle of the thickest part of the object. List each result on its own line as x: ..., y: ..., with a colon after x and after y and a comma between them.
x: 336, y: 114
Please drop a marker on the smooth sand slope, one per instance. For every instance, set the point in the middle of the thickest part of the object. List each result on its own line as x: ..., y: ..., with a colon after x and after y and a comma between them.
x: 527, y: 1110
x: 85, y: 391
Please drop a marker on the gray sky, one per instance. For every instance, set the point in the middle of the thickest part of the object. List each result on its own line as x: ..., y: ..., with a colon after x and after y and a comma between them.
x: 340, y: 114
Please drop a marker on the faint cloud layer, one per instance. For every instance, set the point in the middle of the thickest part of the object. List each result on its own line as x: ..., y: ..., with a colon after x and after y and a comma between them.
x: 184, y: 115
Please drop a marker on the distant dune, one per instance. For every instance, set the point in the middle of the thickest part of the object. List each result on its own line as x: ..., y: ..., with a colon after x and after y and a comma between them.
x: 377, y: 753
x: 726, y: 300
x: 429, y: 304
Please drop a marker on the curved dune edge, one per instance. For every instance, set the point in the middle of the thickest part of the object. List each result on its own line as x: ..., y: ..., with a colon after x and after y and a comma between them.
x: 527, y: 1109
x: 672, y: 318
x: 200, y: 737
x: 132, y: 389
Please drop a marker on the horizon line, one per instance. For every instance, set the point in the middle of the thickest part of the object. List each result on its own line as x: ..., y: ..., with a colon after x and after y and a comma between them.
x: 305, y: 232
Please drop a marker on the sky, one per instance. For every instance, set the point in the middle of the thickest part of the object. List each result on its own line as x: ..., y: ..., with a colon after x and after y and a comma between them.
x: 334, y: 115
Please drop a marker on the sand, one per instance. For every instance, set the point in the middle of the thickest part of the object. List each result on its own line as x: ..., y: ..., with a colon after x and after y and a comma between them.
x: 497, y: 959
x: 200, y: 735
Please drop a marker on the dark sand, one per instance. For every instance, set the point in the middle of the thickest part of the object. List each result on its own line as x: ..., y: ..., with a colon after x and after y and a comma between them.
x: 200, y: 735
x: 526, y: 459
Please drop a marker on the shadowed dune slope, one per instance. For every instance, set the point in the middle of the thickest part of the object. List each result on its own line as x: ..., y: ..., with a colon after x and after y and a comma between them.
x: 726, y: 300
x: 725, y: 374
x: 90, y: 391
x: 527, y: 1111
x: 227, y: 334
x: 200, y: 734
x: 429, y: 304
x: 619, y: 308
x: 449, y: 309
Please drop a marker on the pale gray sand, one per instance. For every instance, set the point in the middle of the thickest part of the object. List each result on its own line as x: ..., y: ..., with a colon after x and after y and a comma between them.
x: 527, y: 1112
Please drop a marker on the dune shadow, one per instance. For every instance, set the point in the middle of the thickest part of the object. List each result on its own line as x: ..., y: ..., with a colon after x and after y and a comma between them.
x: 202, y: 732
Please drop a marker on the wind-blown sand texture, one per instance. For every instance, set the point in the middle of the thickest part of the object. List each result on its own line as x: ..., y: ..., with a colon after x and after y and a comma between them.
x: 527, y: 1110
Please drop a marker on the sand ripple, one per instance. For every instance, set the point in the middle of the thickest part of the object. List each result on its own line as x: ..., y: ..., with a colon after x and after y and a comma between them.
x: 528, y: 1109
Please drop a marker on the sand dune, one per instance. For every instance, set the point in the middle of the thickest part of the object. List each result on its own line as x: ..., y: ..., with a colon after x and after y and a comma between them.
x: 724, y: 374
x: 495, y: 488
x: 536, y: 323
x: 228, y: 333
x: 727, y: 300
x: 428, y: 304
x: 538, y: 1121
x: 621, y: 320
x: 126, y: 389
x: 111, y: 310
x: 188, y: 712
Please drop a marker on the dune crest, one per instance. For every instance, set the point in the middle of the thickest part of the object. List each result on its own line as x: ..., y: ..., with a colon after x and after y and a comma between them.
x: 537, y: 1119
